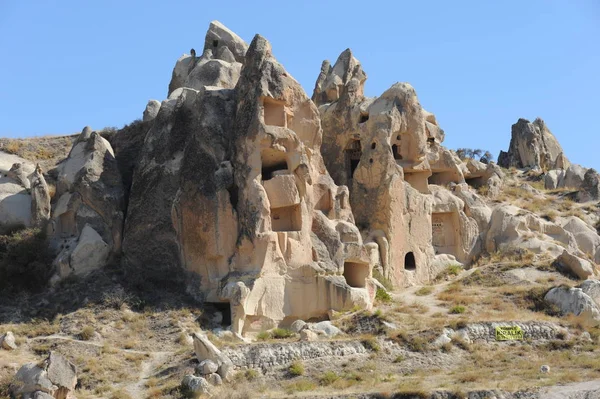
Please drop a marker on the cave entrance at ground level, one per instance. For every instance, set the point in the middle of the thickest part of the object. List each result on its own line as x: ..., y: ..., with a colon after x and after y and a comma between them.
x: 353, y: 153
x: 409, y: 261
x: 356, y: 274
x: 225, y: 309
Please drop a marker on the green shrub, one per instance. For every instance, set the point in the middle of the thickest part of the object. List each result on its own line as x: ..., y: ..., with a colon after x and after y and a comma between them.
x: 457, y: 309
x: 382, y: 296
x: 25, y: 260
x: 296, y: 369
x: 328, y: 378
x: 263, y: 336
x: 281, y: 333
x: 302, y: 385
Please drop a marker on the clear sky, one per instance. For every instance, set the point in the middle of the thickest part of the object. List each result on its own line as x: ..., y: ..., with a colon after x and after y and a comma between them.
x: 478, y: 65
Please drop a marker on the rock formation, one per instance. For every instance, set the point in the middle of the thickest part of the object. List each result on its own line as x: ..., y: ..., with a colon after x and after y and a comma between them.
x: 55, y: 376
x: 24, y: 194
x: 532, y: 145
x: 87, y: 215
x: 231, y: 186
x: 387, y: 151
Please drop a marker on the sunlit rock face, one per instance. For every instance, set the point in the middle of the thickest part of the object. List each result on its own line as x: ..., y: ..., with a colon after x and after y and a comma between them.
x: 231, y: 187
x: 387, y: 150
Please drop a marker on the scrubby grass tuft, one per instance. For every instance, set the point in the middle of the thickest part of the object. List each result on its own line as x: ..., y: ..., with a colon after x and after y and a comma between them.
x: 383, y: 296
x: 296, y: 369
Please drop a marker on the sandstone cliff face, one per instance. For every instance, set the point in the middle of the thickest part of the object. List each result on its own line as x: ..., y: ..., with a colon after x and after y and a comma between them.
x: 387, y: 150
x: 231, y: 186
x: 532, y: 145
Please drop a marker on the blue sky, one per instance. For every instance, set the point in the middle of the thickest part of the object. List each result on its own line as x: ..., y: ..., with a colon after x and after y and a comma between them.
x: 478, y: 65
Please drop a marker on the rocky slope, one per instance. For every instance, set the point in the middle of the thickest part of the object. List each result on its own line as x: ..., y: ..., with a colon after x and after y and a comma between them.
x: 329, y: 245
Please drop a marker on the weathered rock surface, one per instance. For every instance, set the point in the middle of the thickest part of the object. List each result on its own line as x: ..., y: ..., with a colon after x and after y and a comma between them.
x: 56, y: 376
x: 7, y: 341
x: 575, y: 301
x: 230, y: 185
x: 532, y: 145
x: 87, y: 217
x: 206, y: 350
x: 151, y: 110
x: 574, y: 265
x: 24, y: 194
x: 195, y: 386
x: 590, y: 187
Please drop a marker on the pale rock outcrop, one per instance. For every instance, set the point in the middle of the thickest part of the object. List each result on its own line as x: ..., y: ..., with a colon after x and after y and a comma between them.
x: 206, y: 367
x: 151, y: 110
x: 588, y: 240
x: 574, y: 176
x: 592, y: 289
x: 7, y: 341
x: 325, y: 327
x: 219, y: 65
x: 381, y: 148
x: 512, y: 227
x: 206, y: 350
x: 532, y: 145
x: 87, y: 216
x: 575, y: 301
x: 24, y: 194
x: 590, y: 187
x: 455, y: 233
x: 572, y: 264
x: 231, y: 187
x: 55, y: 376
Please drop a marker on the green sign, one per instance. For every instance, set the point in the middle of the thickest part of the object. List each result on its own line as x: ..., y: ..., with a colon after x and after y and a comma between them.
x: 509, y: 333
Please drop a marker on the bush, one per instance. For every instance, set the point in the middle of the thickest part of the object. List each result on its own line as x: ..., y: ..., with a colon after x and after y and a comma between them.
x: 457, y: 309
x: 296, y: 369
x: 328, y: 378
x: 263, y: 336
x: 423, y: 291
x: 251, y: 374
x: 383, y: 280
x: 281, y: 333
x: 382, y: 296
x: 87, y: 333
x: 25, y: 260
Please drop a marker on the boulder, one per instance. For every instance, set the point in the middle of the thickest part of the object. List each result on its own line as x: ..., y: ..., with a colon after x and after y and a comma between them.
x: 308, y: 335
x: 42, y: 395
x: 195, y: 386
x: 574, y: 265
x: 15, y: 199
x: 592, y: 289
x: 587, y: 238
x: 574, y: 176
x: 55, y: 376
x: 90, y: 253
x: 297, y: 326
x: 7, y: 341
x: 575, y: 301
x: 40, y: 199
x: 151, y: 110
x: 532, y: 145
x: 214, y: 379
x: 590, y: 187
x: 554, y: 179
x: 206, y: 350
x: 207, y: 367
x: 325, y: 327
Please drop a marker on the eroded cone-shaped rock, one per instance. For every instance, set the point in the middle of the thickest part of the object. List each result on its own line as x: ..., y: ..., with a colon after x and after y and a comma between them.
x: 89, y: 197
x: 40, y: 199
x: 532, y: 145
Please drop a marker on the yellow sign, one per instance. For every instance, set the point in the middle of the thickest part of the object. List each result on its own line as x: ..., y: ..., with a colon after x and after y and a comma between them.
x: 509, y: 333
